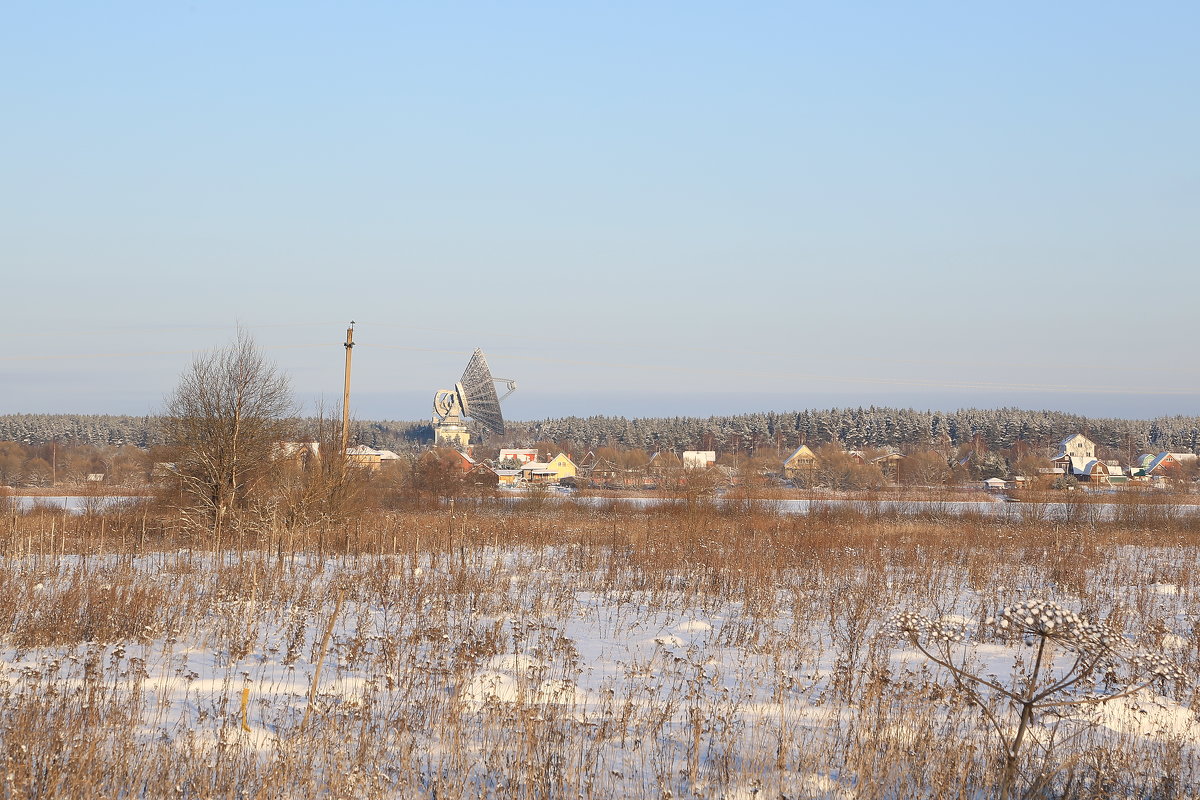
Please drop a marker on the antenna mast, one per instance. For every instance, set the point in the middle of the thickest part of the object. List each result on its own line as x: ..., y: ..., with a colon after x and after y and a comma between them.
x: 346, y: 390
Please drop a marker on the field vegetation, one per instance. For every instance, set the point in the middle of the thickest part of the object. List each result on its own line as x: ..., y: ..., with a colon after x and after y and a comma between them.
x: 554, y: 649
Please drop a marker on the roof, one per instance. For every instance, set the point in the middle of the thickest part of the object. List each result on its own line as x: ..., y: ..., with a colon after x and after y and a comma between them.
x: 294, y: 448
x: 800, y: 450
x: 1086, y: 466
x: 1157, y: 461
x: 1067, y: 440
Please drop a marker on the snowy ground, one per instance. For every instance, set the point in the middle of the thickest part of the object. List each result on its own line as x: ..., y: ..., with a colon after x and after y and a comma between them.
x: 506, y: 671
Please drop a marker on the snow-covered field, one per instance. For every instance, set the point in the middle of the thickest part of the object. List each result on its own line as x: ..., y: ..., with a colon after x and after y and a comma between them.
x: 586, y: 669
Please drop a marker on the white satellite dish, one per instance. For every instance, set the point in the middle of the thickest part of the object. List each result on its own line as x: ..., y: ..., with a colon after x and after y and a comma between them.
x: 474, y: 396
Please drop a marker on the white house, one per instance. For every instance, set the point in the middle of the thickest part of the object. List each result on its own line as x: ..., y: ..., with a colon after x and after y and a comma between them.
x: 521, y: 456
x: 1076, y: 446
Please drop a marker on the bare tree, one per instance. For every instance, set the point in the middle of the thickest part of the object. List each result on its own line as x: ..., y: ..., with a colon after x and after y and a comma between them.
x: 314, y: 481
x: 227, y: 417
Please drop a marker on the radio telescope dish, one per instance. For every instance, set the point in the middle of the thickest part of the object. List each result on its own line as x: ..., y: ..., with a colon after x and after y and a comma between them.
x: 474, y: 396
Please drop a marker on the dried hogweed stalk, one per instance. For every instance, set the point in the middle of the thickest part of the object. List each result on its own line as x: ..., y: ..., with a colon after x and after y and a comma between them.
x: 1044, y: 618
x: 907, y: 623
x: 1045, y: 686
x: 1158, y: 666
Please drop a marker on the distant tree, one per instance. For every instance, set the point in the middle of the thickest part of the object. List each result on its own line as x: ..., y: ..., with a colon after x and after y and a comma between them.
x: 991, y: 465
x: 546, y: 450
x: 1030, y: 466
x: 835, y: 468
x: 12, y: 462
x: 1064, y: 482
x: 312, y: 482
x: 925, y: 468
x: 438, y: 473
x: 37, y: 472
x: 226, y: 418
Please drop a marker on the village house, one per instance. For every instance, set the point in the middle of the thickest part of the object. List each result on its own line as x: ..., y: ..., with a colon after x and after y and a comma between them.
x: 800, y: 463
x: 364, y: 456
x: 888, y: 463
x: 507, y: 477
x: 557, y: 468
x: 464, y: 461
x: 1076, y: 457
x: 482, y: 475
x: 519, y: 456
x: 1163, y: 465
x: 301, y: 454
x: 369, y: 457
x: 698, y: 459
x: 1077, y: 446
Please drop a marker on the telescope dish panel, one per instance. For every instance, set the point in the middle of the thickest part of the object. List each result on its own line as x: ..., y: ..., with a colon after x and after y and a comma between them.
x: 477, y: 394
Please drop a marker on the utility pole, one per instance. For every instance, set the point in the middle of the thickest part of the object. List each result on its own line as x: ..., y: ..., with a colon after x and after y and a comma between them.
x: 346, y: 390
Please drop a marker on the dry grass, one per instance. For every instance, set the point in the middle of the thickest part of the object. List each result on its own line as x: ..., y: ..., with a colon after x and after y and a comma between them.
x: 510, y: 651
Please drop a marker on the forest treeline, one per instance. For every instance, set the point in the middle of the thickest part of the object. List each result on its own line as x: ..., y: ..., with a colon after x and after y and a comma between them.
x: 854, y: 428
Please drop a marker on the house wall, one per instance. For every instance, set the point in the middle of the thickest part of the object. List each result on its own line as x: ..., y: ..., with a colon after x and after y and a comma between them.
x: 451, y: 436
x: 523, y: 455
x: 369, y: 460
x: 802, y: 461
x: 699, y: 459
x: 563, y: 467
x: 1080, y: 446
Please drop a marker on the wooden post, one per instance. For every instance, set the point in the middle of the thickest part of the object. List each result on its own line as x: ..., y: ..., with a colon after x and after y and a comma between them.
x: 346, y: 390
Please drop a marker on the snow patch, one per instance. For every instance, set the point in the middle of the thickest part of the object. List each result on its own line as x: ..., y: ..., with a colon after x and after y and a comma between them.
x: 490, y: 686
x: 560, y: 692
x: 817, y: 785
x: 513, y: 662
x: 693, y: 626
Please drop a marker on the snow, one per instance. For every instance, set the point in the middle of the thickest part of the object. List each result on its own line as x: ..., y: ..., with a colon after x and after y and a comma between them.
x: 598, y: 654
x: 491, y: 685
x: 1146, y: 715
x: 693, y: 626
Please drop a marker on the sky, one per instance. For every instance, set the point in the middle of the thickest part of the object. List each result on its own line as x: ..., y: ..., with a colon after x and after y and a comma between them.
x: 642, y: 209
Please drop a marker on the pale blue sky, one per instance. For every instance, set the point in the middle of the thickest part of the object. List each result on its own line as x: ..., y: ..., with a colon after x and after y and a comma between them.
x: 641, y: 208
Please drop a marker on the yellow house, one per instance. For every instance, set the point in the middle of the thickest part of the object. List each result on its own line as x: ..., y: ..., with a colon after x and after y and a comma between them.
x: 364, y: 456
x: 801, y: 462
x: 563, y: 466
x: 557, y: 468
